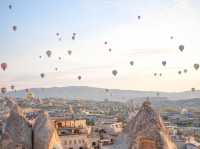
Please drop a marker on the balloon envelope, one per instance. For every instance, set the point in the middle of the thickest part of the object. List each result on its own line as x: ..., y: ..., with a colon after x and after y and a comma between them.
x: 196, y: 66
x: 42, y: 75
x: 131, y: 63
x: 114, y: 72
x: 164, y: 63
x: 49, y: 53
x: 3, y: 66
x: 79, y: 77
x: 3, y: 90
x: 181, y: 48
x: 14, y: 27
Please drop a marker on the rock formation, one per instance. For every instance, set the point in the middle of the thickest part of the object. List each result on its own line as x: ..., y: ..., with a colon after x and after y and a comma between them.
x: 17, y: 132
x: 45, y: 136
x: 147, y: 131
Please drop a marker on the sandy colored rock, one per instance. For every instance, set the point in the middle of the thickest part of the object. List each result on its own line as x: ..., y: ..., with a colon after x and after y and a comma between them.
x: 147, y: 131
x: 17, y: 133
x: 45, y: 135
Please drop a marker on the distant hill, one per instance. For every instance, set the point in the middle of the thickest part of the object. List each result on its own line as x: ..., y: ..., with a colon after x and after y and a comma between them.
x: 99, y: 94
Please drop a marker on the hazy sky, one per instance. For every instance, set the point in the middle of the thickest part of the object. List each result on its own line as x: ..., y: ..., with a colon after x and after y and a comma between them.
x: 147, y: 42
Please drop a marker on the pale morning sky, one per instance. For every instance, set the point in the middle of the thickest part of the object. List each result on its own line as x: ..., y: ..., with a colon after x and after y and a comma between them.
x: 146, y: 42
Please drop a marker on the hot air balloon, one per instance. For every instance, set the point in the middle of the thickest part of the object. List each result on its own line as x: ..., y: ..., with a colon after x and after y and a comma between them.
x: 10, y: 6
x: 179, y: 72
x: 181, y: 48
x: 14, y: 27
x: 131, y: 63
x: 57, y: 34
x: 196, y: 66
x: 171, y: 37
x: 160, y: 74
x: 3, y: 90
x: 42, y: 75
x: 105, y: 42
x: 59, y: 58
x: 69, y: 52
x: 49, y: 53
x: 155, y: 74
x: 193, y: 89
x: 74, y: 34
x: 164, y: 63
x: 12, y: 87
x: 79, y: 77
x: 139, y: 17
x: 73, y: 37
x: 185, y: 71
x: 56, y: 69
x: 109, y: 49
x: 114, y: 72
x: 60, y: 39
x: 4, y: 66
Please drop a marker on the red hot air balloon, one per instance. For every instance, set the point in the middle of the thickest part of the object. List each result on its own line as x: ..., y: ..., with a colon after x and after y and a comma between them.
x: 4, y: 66
x: 3, y: 90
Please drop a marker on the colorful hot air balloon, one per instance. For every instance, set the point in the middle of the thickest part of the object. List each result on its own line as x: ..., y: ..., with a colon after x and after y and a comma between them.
x: 69, y: 52
x: 12, y: 87
x: 14, y: 27
x: 3, y: 90
x: 131, y: 63
x: 114, y: 72
x: 164, y: 63
x: 181, y: 48
x: 42, y: 75
x: 49, y: 53
x: 79, y: 77
x: 196, y: 66
x: 4, y: 66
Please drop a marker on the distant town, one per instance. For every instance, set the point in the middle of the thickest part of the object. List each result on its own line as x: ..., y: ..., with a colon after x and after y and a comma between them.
x: 53, y: 123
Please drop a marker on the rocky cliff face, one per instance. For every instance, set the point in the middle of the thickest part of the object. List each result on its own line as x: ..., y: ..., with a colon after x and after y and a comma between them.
x: 45, y: 135
x: 147, y: 131
x: 17, y: 132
